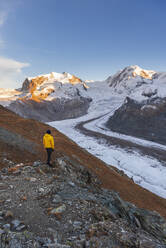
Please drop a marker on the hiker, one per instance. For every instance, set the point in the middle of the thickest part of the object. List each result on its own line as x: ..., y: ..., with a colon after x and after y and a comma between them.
x: 48, y: 142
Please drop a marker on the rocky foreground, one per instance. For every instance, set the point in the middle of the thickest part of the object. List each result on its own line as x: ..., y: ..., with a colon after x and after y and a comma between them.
x: 65, y: 206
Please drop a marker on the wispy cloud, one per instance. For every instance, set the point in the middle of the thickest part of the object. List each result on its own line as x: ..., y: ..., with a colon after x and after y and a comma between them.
x: 3, y: 16
x: 11, y: 65
x: 4, y: 11
x: 2, y: 43
x: 10, y: 72
x: 6, y: 7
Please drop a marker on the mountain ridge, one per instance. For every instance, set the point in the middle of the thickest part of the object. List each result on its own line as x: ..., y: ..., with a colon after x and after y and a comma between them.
x: 46, y: 99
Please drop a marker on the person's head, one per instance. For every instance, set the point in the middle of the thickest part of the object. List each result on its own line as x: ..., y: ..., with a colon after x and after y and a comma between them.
x: 48, y: 131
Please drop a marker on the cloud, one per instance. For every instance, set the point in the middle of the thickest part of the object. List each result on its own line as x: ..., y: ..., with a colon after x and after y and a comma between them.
x: 11, y: 65
x: 2, y: 43
x: 3, y: 16
x: 6, y: 7
x: 11, y: 72
x: 4, y: 11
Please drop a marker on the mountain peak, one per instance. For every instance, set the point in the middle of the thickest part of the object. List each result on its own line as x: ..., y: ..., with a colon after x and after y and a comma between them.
x: 138, y: 71
x: 63, y: 77
x: 130, y: 72
x: 35, y: 85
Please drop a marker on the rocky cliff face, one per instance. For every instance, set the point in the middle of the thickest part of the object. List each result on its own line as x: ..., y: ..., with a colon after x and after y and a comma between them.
x: 145, y: 119
x: 46, y: 111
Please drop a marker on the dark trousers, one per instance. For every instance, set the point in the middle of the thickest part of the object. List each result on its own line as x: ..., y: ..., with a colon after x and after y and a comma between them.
x: 49, y: 152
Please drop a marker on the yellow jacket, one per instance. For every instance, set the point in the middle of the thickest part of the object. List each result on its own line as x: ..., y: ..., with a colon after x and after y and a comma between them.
x: 48, y: 141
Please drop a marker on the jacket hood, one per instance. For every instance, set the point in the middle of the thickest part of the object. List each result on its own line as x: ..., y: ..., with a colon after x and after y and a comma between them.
x: 47, y: 134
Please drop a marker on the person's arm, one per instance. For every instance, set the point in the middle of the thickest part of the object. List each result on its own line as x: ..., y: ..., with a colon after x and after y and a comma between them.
x: 44, y: 141
x: 52, y: 143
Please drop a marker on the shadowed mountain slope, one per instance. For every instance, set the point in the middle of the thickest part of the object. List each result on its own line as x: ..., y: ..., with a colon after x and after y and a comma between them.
x: 146, y: 119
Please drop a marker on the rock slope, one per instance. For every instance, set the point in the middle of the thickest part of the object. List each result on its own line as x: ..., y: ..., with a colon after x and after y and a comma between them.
x: 65, y: 207
x: 146, y: 119
x: 80, y: 202
x: 56, y: 109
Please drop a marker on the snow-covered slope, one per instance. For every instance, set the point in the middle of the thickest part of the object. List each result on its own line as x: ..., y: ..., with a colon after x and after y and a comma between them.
x: 9, y: 95
x: 43, y: 86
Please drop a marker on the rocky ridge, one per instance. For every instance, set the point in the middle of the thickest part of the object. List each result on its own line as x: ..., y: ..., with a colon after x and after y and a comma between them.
x: 56, y: 109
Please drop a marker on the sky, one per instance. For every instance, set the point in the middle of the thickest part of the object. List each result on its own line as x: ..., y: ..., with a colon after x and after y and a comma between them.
x: 92, y: 39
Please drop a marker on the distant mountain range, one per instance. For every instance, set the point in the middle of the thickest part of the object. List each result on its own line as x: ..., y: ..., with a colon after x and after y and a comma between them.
x: 132, y: 81
x: 58, y: 96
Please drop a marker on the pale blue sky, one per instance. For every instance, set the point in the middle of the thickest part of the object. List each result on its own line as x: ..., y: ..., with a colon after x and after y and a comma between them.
x: 90, y: 38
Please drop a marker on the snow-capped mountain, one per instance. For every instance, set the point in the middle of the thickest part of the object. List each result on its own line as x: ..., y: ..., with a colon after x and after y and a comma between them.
x: 42, y: 96
x: 138, y: 83
x: 143, y: 114
x: 41, y: 87
x: 129, y: 73
x: 48, y: 97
